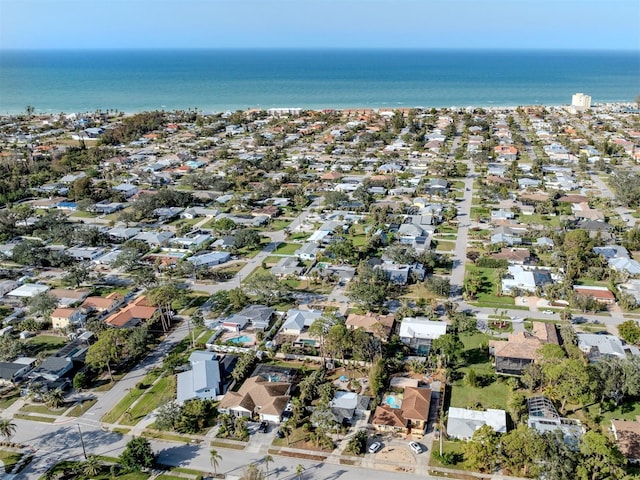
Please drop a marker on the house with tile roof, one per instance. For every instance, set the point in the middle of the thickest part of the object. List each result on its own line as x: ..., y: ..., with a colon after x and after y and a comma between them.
x: 133, y: 314
x: 521, y: 348
x: 374, y: 323
x: 257, y: 397
x: 627, y: 435
x: 407, y: 416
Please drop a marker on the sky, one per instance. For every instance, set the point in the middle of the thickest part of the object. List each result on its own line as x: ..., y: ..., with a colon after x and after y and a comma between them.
x: 515, y: 24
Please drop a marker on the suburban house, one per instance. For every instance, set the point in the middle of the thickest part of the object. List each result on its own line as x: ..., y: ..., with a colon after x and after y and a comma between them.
x: 287, y: 266
x: 209, y: 259
x: 543, y: 417
x: 409, y: 415
x: 102, y: 304
x: 374, y: 323
x: 597, y: 346
x: 347, y: 406
x: 298, y: 319
x: 65, y: 317
x: 203, y: 380
x: 462, y: 423
x: 419, y: 332
x: 258, y: 315
x: 599, y: 294
x: 308, y: 251
x: 515, y: 256
x: 123, y: 233
x: 521, y: 348
x: 137, y: 312
x: 528, y: 279
x: 10, y: 372
x: 627, y: 435
x: 257, y: 397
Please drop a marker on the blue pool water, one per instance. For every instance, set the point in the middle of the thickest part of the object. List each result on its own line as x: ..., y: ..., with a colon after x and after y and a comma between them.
x: 392, y: 401
x: 240, y: 339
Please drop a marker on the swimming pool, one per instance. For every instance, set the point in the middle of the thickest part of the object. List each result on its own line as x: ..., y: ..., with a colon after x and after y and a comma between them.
x: 241, y: 339
x: 393, y: 401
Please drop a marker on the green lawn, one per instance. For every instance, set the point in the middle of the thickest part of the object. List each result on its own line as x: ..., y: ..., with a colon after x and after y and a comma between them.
x: 45, y: 344
x: 454, y: 447
x: 123, y: 405
x: 626, y: 411
x: 538, y: 219
x: 493, y: 395
x: 162, y: 392
x: 279, y: 224
x: 10, y: 459
x: 42, y: 408
x: 444, y: 245
x: 287, y: 248
x: 79, y: 409
x: 8, y: 399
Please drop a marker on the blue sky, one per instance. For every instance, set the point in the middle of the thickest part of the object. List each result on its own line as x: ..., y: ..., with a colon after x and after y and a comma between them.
x: 90, y: 24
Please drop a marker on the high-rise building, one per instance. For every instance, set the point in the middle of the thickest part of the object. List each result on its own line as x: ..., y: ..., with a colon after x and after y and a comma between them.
x: 580, y: 101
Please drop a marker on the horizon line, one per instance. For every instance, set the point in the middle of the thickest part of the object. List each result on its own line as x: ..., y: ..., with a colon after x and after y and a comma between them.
x: 318, y: 48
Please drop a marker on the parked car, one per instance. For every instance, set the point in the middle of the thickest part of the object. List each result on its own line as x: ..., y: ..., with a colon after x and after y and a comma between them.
x: 375, y: 447
x: 264, y: 427
x: 279, y: 434
x: 416, y: 447
x: 548, y: 312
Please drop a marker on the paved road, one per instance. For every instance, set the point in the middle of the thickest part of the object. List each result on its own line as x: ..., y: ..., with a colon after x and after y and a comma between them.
x: 464, y: 222
x: 606, y: 192
x: 53, y: 443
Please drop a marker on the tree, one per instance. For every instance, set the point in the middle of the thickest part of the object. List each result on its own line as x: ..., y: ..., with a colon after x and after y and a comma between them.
x: 252, y: 472
x: 267, y: 460
x: 224, y: 226
x: 163, y: 297
x: 214, y: 458
x: 342, y: 249
x: 246, y: 238
x: 106, y: 350
x: 78, y: 273
x: 358, y: 443
x: 267, y: 287
x: 54, y: 398
x: 43, y: 304
x: 168, y: 415
x: 601, y: 459
x: 559, y: 460
x: 333, y: 199
x: 371, y: 288
x: 520, y: 451
x: 449, y: 348
x: 10, y: 347
x: 481, y: 452
x: 92, y: 466
x: 137, y: 455
x: 7, y: 428
x: 630, y: 332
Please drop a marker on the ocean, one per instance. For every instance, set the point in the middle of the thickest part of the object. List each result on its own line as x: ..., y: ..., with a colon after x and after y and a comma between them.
x: 221, y: 80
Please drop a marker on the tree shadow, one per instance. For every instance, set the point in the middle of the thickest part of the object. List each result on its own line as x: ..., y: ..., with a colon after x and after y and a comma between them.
x: 180, y: 455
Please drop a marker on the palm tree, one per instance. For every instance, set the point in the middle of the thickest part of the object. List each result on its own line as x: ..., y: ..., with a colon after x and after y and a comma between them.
x: 267, y: 460
x: 299, y: 470
x: 214, y: 458
x: 7, y: 428
x: 92, y: 466
x: 54, y: 398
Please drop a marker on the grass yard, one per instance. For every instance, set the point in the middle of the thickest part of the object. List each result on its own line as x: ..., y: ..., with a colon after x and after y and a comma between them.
x: 123, y: 405
x: 81, y: 408
x: 45, y: 344
x: 417, y: 291
x: 287, y: 249
x: 43, y: 409
x: 10, y: 459
x: 443, y: 245
x: 8, y: 398
x: 279, y: 224
x: 538, y: 219
x: 162, y: 392
x: 490, y: 392
x: 625, y: 411
x: 493, y: 395
x: 448, y: 446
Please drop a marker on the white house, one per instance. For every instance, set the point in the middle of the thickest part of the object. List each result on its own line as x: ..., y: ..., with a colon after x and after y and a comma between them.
x: 209, y: 259
x: 297, y: 320
x: 203, y: 380
x: 419, y: 332
x: 462, y: 423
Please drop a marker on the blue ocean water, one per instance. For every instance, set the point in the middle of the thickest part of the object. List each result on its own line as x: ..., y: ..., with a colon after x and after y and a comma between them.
x: 220, y: 80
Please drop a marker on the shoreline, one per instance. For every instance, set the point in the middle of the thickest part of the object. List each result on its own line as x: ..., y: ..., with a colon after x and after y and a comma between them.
x: 384, y: 108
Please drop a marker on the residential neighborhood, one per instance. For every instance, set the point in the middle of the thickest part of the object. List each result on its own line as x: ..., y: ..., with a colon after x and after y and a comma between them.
x: 421, y: 292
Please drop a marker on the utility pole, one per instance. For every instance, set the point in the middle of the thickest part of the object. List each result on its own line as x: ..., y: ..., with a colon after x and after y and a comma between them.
x: 84, y: 451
